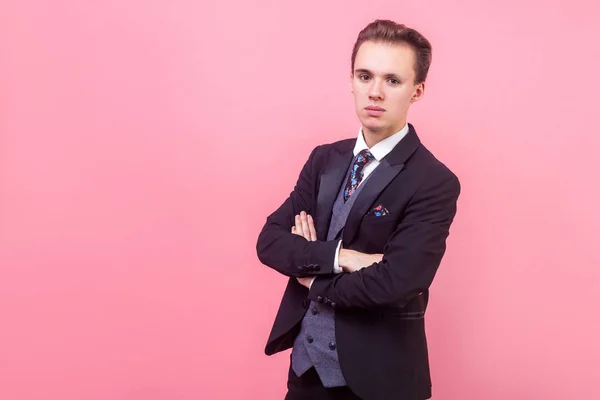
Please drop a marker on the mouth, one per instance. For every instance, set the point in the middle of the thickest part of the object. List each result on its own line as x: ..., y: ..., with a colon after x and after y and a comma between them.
x: 374, y: 111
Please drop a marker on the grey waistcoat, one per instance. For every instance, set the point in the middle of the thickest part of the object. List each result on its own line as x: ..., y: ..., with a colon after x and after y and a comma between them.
x: 315, y: 344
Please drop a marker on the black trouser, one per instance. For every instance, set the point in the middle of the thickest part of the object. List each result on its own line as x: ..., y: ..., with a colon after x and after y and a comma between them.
x: 309, y: 387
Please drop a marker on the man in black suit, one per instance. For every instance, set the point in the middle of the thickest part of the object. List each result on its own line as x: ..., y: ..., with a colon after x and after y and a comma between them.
x: 361, y: 237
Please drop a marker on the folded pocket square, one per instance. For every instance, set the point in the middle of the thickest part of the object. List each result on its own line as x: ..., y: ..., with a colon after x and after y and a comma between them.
x: 379, y: 211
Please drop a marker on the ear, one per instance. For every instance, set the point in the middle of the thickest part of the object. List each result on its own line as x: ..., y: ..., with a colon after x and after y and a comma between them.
x: 418, y: 93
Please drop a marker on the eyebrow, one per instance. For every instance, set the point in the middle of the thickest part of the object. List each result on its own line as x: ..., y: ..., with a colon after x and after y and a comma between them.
x: 366, y: 71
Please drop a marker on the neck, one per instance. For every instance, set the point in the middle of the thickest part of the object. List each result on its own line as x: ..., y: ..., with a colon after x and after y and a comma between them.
x: 374, y: 137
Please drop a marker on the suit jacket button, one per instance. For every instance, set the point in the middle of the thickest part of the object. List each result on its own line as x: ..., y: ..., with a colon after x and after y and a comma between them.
x: 333, y: 304
x: 319, y: 299
x: 301, y: 268
x: 332, y: 345
x: 316, y: 268
x: 309, y: 339
x: 315, y: 311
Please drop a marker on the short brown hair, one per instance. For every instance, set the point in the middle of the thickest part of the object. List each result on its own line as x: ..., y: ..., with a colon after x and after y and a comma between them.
x: 386, y: 31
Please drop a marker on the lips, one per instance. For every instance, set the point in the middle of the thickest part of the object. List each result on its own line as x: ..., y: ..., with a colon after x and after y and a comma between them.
x: 374, y: 111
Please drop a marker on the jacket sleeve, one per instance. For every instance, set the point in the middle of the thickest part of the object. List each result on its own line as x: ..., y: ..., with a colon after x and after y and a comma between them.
x: 411, y: 255
x: 291, y: 254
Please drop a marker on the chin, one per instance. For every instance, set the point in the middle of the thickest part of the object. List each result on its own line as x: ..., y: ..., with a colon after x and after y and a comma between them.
x: 373, y: 127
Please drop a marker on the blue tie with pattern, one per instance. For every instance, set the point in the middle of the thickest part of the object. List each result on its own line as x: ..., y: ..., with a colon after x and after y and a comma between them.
x: 356, y: 174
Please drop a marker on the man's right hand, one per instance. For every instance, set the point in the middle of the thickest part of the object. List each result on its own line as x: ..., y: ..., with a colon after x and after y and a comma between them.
x: 352, y: 261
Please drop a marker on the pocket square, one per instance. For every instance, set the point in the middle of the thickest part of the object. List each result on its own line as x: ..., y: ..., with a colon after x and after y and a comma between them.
x: 379, y: 211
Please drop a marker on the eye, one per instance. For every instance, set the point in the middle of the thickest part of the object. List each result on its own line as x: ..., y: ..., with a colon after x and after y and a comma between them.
x: 364, y: 77
x: 394, y: 81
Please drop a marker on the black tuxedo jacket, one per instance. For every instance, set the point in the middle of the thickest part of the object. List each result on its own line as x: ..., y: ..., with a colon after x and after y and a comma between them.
x: 379, y: 310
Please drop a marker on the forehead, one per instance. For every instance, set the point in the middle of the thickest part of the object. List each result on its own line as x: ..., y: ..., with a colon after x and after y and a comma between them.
x: 383, y: 58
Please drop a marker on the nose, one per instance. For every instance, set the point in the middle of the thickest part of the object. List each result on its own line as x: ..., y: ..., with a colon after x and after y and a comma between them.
x: 375, y: 90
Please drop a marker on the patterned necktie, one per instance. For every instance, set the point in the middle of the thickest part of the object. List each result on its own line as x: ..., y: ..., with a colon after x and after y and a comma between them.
x: 356, y: 174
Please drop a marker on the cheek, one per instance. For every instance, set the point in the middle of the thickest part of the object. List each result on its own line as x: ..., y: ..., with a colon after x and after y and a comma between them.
x: 360, y: 90
x: 401, y: 100
x: 359, y: 96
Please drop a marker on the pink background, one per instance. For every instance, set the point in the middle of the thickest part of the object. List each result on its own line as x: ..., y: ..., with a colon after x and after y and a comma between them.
x: 143, y: 144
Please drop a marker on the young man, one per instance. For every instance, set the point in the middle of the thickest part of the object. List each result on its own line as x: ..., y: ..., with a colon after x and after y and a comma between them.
x: 361, y: 237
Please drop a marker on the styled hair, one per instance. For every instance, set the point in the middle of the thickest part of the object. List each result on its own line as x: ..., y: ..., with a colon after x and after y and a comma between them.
x: 390, y: 32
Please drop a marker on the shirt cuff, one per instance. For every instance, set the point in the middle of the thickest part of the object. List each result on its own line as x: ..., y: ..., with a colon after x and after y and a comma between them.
x: 336, y: 265
x: 311, y: 282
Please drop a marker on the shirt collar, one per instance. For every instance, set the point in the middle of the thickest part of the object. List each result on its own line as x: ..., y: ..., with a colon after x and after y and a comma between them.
x: 382, y: 148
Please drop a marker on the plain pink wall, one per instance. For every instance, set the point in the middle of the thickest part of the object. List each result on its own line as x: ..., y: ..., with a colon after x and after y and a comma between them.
x: 143, y: 144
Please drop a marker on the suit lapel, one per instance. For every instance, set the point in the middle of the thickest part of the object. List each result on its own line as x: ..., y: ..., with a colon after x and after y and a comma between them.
x: 381, y: 177
x: 331, y: 181
x: 388, y: 169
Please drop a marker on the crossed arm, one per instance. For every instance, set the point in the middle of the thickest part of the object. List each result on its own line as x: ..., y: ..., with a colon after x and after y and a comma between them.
x: 411, y: 256
x: 348, y: 260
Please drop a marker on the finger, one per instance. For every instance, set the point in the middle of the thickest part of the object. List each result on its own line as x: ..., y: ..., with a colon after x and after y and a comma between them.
x: 299, y: 230
x: 311, y: 226
x: 305, y: 228
x: 294, y: 229
x: 298, y: 226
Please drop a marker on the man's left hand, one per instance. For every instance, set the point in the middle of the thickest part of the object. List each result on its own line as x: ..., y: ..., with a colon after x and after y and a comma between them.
x: 305, y: 227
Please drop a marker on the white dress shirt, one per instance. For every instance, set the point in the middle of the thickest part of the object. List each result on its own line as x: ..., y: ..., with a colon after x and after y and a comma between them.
x: 379, y: 151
